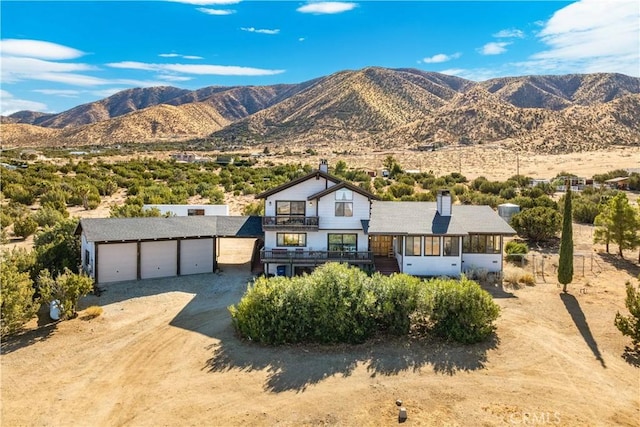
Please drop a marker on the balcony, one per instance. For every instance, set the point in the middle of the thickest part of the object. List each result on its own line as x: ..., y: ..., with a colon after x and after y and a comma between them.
x: 306, y: 257
x: 290, y: 222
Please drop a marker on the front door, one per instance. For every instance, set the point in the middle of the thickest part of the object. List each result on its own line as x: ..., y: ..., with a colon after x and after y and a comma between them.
x: 381, y: 245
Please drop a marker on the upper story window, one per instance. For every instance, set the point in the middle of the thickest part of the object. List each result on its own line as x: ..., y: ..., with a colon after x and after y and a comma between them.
x: 288, y: 208
x: 344, y: 194
x: 432, y: 245
x: 481, y: 244
x: 344, y: 208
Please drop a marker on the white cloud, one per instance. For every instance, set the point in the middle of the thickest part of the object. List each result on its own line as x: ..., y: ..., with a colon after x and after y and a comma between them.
x: 64, y: 93
x: 259, y: 31
x: 105, y: 93
x: 16, y: 69
x: 510, y: 33
x: 441, y: 57
x: 207, y: 2
x: 10, y: 105
x: 220, y: 70
x: 328, y: 7
x: 301, y: 39
x: 38, y: 49
x: 70, y: 79
x: 177, y: 55
x: 174, y: 78
x: 494, y: 48
x: 592, y: 36
x: 476, y: 74
x: 216, y: 12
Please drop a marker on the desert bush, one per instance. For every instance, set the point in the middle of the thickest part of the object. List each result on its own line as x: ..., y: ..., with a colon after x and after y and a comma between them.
x: 515, y: 250
x: 93, y: 311
x: 396, y: 300
x: 67, y: 288
x: 17, y: 304
x: 25, y: 226
x: 48, y: 216
x: 630, y: 325
x: 537, y: 224
x: 527, y: 279
x: 460, y: 310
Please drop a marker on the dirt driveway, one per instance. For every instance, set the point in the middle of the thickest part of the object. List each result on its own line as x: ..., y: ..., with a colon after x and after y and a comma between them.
x: 164, y: 353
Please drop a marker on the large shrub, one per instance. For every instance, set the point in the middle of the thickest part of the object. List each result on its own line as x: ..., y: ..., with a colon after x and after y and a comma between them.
x: 337, y: 303
x: 515, y: 250
x: 461, y: 310
x: 17, y: 304
x: 630, y: 325
x: 537, y: 224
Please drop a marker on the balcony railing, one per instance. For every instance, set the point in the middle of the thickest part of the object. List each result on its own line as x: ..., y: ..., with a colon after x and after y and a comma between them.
x: 290, y: 222
x: 302, y: 256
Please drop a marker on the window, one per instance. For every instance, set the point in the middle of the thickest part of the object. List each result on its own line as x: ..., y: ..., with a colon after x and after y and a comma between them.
x: 451, y: 246
x: 291, y: 239
x: 432, y: 245
x: 343, y: 242
x: 481, y: 244
x: 290, y: 208
x: 344, y: 208
x: 344, y: 194
x: 195, y: 212
x: 87, y: 259
x: 412, y: 245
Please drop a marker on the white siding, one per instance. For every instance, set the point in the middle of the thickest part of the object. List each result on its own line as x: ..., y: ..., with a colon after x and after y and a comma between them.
x: 327, y: 212
x: 298, y: 192
x: 431, y: 265
x: 490, y: 262
x: 183, y: 210
x: 117, y: 262
x: 318, y: 240
x: 196, y: 256
x: 88, y: 263
x: 158, y: 259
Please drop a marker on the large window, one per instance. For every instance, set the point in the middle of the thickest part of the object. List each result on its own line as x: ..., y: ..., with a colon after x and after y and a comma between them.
x: 344, y: 194
x: 412, y: 245
x: 291, y: 239
x: 343, y: 242
x: 286, y: 208
x: 344, y: 208
x: 481, y: 244
x: 432, y: 245
x: 451, y: 246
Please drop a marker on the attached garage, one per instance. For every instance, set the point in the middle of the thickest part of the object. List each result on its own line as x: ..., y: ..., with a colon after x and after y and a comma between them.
x: 158, y: 259
x: 145, y: 248
x: 196, y: 256
x: 117, y: 262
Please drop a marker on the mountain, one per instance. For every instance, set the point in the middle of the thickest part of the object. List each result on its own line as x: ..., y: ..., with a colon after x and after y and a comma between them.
x: 29, y: 117
x: 374, y: 107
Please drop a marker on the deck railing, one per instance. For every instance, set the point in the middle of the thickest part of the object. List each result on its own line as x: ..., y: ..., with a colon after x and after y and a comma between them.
x: 315, y: 257
x: 282, y: 222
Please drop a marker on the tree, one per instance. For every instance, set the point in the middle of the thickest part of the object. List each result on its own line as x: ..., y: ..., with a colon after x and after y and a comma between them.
x: 16, y: 298
x: 537, y: 224
x: 630, y: 325
x: 58, y: 247
x: 618, y: 223
x: 67, y: 288
x: 565, y: 265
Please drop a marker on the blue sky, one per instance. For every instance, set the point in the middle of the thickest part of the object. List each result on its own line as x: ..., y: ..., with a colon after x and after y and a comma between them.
x: 56, y: 55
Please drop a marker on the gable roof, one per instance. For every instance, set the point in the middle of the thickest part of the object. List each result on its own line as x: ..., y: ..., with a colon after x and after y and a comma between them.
x: 423, y: 218
x: 338, y: 186
x: 315, y: 174
x: 137, y: 229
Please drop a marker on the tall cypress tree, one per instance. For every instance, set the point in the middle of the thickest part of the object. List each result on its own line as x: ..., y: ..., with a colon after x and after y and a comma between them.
x: 565, y: 265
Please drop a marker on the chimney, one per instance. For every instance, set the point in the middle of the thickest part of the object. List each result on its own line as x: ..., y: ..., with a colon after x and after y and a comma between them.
x: 324, y: 166
x: 443, y: 202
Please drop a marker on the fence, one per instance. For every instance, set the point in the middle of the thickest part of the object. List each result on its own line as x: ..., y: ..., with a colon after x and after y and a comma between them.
x: 544, y: 267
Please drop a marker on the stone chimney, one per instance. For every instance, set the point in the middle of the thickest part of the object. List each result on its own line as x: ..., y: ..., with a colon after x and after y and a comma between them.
x: 324, y: 166
x: 443, y: 202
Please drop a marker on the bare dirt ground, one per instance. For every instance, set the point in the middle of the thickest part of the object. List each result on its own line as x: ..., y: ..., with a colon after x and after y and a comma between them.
x: 164, y: 353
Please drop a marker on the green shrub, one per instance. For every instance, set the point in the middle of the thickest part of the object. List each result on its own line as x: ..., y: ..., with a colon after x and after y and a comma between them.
x: 460, y: 310
x: 537, y: 224
x: 396, y: 300
x: 25, y: 226
x: 630, y: 325
x: 67, y: 288
x: 515, y: 250
x: 17, y: 305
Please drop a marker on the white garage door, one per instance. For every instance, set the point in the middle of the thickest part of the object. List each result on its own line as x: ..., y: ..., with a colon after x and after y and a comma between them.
x: 158, y: 259
x: 196, y: 256
x: 117, y: 262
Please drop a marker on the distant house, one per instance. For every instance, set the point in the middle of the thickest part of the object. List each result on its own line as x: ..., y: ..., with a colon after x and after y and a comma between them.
x: 619, y: 183
x: 190, y: 210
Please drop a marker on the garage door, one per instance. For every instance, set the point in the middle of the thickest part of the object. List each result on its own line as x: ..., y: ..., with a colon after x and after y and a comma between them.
x: 196, y: 256
x: 117, y: 262
x: 158, y: 259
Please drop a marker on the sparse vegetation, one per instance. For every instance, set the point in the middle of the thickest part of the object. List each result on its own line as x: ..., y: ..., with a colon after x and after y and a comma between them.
x: 630, y: 325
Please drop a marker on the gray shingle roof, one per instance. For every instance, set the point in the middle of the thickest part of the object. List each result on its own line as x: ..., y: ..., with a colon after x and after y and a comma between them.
x: 422, y: 218
x: 134, y: 229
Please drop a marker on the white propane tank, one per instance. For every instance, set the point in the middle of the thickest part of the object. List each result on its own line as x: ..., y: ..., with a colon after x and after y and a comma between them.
x: 54, y: 310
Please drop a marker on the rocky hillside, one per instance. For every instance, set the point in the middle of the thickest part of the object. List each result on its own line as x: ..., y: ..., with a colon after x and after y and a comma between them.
x: 375, y: 107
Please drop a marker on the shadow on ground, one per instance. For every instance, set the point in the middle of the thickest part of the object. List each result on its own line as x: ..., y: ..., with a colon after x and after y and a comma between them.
x: 632, y: 356
x: 621, y: 264
x: 577, y: 315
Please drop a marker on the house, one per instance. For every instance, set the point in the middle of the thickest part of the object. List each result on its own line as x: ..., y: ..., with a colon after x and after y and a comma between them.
x: 619, y: 183
x: 312, y: 220
x: 118, y: 249
x: 438, y: 238
x: 190, y: 210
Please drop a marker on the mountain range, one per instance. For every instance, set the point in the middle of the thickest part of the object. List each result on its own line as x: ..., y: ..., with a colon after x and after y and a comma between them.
x: 372, y: 107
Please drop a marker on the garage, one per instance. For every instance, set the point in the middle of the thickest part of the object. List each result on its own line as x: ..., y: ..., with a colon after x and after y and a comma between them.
x: 158, y: 259
x: 196, y: 256
x: 117, y: 262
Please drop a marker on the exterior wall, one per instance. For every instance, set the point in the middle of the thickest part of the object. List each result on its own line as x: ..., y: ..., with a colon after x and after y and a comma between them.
x: 328, y: 218
x: 88, y: 265
x: 490, y: 262
x: 182, y: 210
x: 317, y: 240
x: 299, y: 192
x: 430, y: 265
